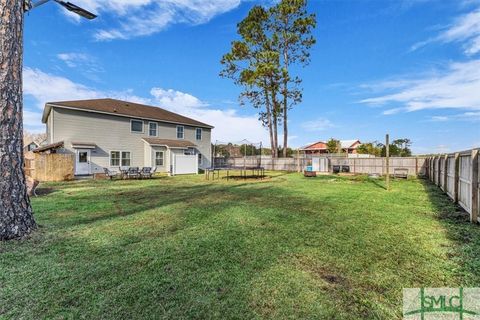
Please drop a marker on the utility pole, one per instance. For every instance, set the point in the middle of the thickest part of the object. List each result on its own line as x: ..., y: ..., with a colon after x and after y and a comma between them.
x: 16, y: 214
x: 387, y: 154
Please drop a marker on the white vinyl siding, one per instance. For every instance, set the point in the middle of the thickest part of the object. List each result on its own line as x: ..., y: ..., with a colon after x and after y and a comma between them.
x: 136, y: 126
x: 152, y: 129
x: 110, y: 132
x: 180, y: 132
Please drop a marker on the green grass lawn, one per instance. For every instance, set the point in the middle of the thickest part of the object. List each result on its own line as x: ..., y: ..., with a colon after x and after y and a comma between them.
x: 285, y: 247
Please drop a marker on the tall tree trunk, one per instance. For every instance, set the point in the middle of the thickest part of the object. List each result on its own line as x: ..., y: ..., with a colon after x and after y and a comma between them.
x: 269, y: 120
x: 285, y: 103
x: 16, y: 216
x: 275, y: 121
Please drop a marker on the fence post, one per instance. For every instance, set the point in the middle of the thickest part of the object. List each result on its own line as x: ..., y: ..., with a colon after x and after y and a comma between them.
x: 429, y: 168
x: 439, y: 173
x: 298, y: 160
x: 475, y: 209
x: 456, y: 177
x: 416, y: 166
x: 445, y: 173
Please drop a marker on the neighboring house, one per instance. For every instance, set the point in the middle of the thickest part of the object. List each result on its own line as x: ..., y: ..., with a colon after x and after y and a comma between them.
x: 108, y: 133
x: 320, y: 147
x: 31, y: 146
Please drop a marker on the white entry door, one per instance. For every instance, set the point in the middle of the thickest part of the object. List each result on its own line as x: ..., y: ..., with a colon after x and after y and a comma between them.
x: 82, y: 162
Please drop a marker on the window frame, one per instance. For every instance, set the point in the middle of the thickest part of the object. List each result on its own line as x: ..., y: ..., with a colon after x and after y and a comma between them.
x: 136, y: 120
x: 129, y: 159
x: 149, y: 129
x: 162, y: 158
x: 197, y: 130
x: 121, y: 158
x: 183, y: 132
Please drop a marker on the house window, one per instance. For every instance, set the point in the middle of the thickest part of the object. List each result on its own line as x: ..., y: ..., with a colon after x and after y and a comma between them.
x: 152, y: 129
x: 180, y: 132
x: 136, y: 126
x: 189, y: 152
x: 120, y: 158
x: 159, y: 158
x: 198, y: 133
x: 200, y: 159
x: 125, y: 159
x: 114, y: 158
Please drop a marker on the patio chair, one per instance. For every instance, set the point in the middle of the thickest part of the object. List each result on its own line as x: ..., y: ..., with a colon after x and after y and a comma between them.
x: 109, y: 173
x: 123, y: 172
x: 133, y: 172
x: 146, y: 172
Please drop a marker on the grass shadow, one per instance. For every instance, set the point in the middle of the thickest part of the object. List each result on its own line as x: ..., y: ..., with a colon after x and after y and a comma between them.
x: 465, y: 235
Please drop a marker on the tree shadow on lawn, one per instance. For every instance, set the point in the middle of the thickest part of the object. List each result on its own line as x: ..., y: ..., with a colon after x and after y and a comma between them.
x: 465, y: 235
x: 236, y: 251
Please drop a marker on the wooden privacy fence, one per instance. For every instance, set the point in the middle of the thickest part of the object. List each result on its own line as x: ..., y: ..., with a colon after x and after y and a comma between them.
x: 457, y: 175
x: 414, y: 165
x: 50, y: 167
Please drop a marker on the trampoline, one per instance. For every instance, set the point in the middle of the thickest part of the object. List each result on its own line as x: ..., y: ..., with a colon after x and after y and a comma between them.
x: 241, y: 159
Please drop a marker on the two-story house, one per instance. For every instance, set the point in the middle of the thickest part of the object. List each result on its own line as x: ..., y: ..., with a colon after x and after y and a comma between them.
x: 109, y: 133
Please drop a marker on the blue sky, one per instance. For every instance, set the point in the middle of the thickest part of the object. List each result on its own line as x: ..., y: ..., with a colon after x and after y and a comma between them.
x: 410, y: 68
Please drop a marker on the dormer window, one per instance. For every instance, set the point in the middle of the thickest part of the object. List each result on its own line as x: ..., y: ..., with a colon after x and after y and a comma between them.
x: 136, y: 126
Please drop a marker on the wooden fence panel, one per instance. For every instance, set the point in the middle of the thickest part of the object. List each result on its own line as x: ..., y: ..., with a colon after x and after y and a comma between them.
x: 414, y: 165
x: 459, y: 179
x: 465, y: 183
x: 54, y: 167
x: 441, y: 164
x: 450, y: 176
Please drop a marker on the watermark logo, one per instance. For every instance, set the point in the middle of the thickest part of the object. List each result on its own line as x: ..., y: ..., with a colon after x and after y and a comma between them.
x: 441, y: 303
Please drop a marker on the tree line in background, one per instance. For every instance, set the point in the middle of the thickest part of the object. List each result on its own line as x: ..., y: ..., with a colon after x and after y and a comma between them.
x: 272, y: 41
x: 398, y: 148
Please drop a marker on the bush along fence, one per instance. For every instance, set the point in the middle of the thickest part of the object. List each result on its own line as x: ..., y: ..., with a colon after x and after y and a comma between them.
x: 457, y: 175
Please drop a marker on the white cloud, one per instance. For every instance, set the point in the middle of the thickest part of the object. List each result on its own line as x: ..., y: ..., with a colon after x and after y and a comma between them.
x: 472, y: 116
x: 145, y: 17
x: 457, y: 87
x: 44, y: 87
x: 176, y: 99
x: 229, y: 124
x: 86, y: 64
x: 32, y: 121
x: 439, y: 118
x: 465, y: 29
x: 73, y: 59
x: 319, y: 124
